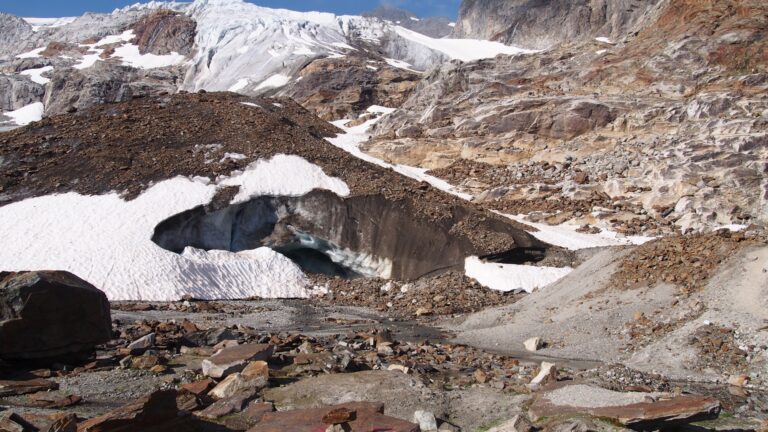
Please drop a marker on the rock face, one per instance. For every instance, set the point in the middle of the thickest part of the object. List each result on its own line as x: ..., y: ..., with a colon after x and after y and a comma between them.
x: 105, y: 83
x: 542, y: 23
x: 338, y: 226
x: 13, y: 30
x: 335, y: 88
x: 16, y: 92
x: 50, y: 314
x: 583, y: 126
x: 164, y: 32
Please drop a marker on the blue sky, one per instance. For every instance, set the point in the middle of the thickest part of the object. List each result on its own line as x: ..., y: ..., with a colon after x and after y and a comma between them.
x: 58, y: 8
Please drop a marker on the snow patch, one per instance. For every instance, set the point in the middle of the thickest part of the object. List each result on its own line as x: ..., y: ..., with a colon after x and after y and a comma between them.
x: 510, y: 277
x: 27, y: 114
x: 401, y: 65
x: 565, y: 235
x: 239, y: 85
x: 350, y: 142
x: 36, y: 75
x: 35, y: 53
x: 277, y: 80
x: 89, y: 60
x: 376, y: 109
x: 604, y: 40
x: 107, y: 240
x: 282, y: 175
x: 132, y: 57
x: 232, y: 156
x: 44, y: 23
x: 462, y: 49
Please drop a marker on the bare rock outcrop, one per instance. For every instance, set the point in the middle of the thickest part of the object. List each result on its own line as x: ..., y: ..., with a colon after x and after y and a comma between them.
x: 543, y: 23
x: 664, y: 131
x: 164, y: 32
x: 335, y: 88
x: 72, y: 89
x: 16, y: 92
x: 13, y: 30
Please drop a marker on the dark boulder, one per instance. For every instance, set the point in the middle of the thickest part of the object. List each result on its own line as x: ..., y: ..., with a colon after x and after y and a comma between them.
x: 50, y: 314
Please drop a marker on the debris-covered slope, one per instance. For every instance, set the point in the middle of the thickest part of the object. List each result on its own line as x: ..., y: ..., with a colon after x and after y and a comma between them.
x: 240, y: 178
x: 665, y: 130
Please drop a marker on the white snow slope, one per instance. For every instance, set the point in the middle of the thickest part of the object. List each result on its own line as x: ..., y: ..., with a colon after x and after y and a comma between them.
x: 107, y: 240
x: 251, y: 49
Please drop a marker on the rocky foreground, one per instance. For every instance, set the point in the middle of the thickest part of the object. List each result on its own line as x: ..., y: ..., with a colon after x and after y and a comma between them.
x: 206, y: 369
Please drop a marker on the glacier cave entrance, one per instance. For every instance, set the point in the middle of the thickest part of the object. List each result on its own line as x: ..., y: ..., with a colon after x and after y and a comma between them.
x: 360, y: 236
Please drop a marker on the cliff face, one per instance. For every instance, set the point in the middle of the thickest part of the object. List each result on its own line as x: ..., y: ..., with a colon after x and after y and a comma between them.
x: 13, y: 30
x: 543, y: 23
x: 669, y: 123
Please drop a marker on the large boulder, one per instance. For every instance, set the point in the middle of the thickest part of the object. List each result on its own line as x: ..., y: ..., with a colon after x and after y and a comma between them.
x: 49, y: 314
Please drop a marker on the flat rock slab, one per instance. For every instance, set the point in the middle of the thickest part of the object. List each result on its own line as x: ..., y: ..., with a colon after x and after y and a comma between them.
x: 235, y: 359
x: 154, y: 413
x: 368, y: 417
x: 14, y: 388
x: 401, y: 394
x: 641, y: 411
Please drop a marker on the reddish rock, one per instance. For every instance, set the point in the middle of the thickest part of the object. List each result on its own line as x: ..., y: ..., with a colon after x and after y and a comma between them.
x: 14, y: 388
x: 634, y: 410
x: 64, y: 423
x: 339, y: 416
x: 235, y: 359
x: 154, y: 413
x: 12, y: 422
x: 199, y: 388
x: 164, y: 32
x: 369, y: 417
x: 49, y: 400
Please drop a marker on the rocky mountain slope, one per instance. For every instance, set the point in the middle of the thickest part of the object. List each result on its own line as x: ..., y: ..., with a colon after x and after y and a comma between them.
x: 663, y: 130
x: 236, y: 175
x: 215, y: 45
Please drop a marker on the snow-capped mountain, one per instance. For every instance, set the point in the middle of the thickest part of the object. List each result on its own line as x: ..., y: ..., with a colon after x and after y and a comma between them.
x: 213, y: 45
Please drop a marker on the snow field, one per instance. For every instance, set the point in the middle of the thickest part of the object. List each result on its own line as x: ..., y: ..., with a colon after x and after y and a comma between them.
x: 107, y: 240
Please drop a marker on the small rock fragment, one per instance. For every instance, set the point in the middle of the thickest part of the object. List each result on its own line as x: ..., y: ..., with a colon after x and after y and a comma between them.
x: 548, y: 372
x: 426, y: 420
x: 533, y: 344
